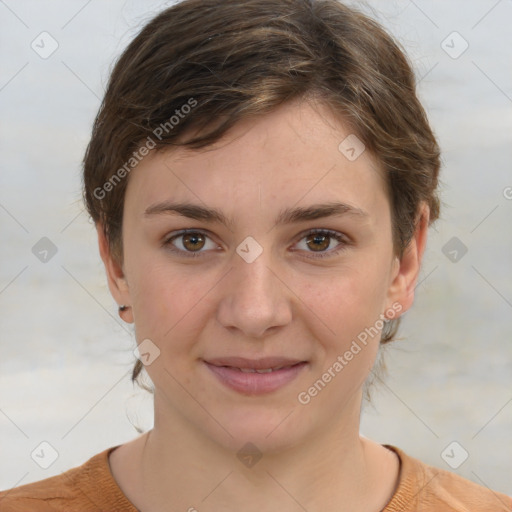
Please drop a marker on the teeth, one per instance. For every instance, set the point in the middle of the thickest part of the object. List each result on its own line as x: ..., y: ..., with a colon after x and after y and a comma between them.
x: 265, y: 370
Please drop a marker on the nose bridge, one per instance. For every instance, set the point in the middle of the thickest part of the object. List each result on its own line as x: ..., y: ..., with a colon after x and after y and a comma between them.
x: 253, y: 300
x: 255, y: 277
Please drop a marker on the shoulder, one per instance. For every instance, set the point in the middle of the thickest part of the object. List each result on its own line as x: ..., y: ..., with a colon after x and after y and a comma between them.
x: 425, y: 488
x: 40, y: 495
x: 89, y: 487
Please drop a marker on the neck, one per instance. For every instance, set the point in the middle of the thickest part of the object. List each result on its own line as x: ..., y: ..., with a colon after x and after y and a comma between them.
x: 332, y: 470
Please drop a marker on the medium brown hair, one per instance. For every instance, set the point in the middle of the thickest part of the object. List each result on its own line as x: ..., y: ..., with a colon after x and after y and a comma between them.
x: 234, y: 59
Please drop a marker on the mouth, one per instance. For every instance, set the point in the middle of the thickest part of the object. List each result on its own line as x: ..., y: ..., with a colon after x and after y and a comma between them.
x: 254, y: 377
x: 263, y: 370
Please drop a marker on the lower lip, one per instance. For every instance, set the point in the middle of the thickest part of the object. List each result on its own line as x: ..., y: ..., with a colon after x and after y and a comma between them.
x: 255, y: 383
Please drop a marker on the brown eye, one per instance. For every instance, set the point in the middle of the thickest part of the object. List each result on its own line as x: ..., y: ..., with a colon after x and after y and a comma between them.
x: 189, y: 243
x: 318, y: 241
x: 193, y: 241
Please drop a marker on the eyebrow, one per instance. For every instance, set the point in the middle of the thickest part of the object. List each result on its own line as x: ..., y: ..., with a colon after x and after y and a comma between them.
x: 286, y: 216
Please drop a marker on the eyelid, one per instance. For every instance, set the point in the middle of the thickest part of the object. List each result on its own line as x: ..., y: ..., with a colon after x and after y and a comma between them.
x: 340, y: 237
x: 168, y: 239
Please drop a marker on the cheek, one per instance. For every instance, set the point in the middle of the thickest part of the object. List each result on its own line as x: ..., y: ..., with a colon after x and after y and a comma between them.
x: 350, y: 299
x: 348, y: 336
x: 164, y: 301
x: 170, y: 307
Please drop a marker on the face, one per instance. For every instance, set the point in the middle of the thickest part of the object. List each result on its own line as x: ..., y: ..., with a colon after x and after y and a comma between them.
x: 287, y: 262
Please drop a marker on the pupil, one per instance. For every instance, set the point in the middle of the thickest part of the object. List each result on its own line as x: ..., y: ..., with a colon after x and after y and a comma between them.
x: 318, y: 239
x: 193, y: 239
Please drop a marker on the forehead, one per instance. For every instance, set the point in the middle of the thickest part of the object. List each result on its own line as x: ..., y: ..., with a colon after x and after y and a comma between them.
x: 297, y: 154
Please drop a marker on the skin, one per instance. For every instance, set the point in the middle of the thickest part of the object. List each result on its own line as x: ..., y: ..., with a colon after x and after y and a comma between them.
x: 285, y: 303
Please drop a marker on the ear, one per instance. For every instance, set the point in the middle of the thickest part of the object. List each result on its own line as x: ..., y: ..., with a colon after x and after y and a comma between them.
x: 117, y: 282
x: 406, y: 270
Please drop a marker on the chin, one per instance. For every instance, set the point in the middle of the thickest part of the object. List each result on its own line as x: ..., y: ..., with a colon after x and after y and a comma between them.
x: 268, y: 431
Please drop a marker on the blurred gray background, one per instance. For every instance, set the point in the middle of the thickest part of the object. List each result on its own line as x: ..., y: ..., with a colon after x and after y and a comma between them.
x: 65, y: 355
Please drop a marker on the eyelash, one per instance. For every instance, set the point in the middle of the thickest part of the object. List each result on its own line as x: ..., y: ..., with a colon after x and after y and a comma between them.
x: 326, y: 232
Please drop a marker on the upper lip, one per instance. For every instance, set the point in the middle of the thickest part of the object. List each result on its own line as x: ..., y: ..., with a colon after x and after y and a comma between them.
x: 255, y: 364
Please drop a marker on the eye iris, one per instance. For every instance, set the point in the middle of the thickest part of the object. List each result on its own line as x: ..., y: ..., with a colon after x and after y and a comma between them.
x: 193, y: 238
x: 319, y: 238
x: 318, y: 241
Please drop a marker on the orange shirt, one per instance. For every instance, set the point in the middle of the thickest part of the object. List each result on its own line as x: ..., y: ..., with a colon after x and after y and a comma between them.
x: 91, y: 487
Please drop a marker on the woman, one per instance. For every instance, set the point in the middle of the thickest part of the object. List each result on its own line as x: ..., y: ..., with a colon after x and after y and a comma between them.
x: 262, y: 177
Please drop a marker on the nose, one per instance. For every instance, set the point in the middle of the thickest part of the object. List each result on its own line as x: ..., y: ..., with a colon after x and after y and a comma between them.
x: 255, y: 297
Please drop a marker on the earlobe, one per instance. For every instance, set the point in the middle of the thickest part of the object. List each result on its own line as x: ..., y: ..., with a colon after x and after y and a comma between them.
x: 116, y: 279
x: 407, y: 269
